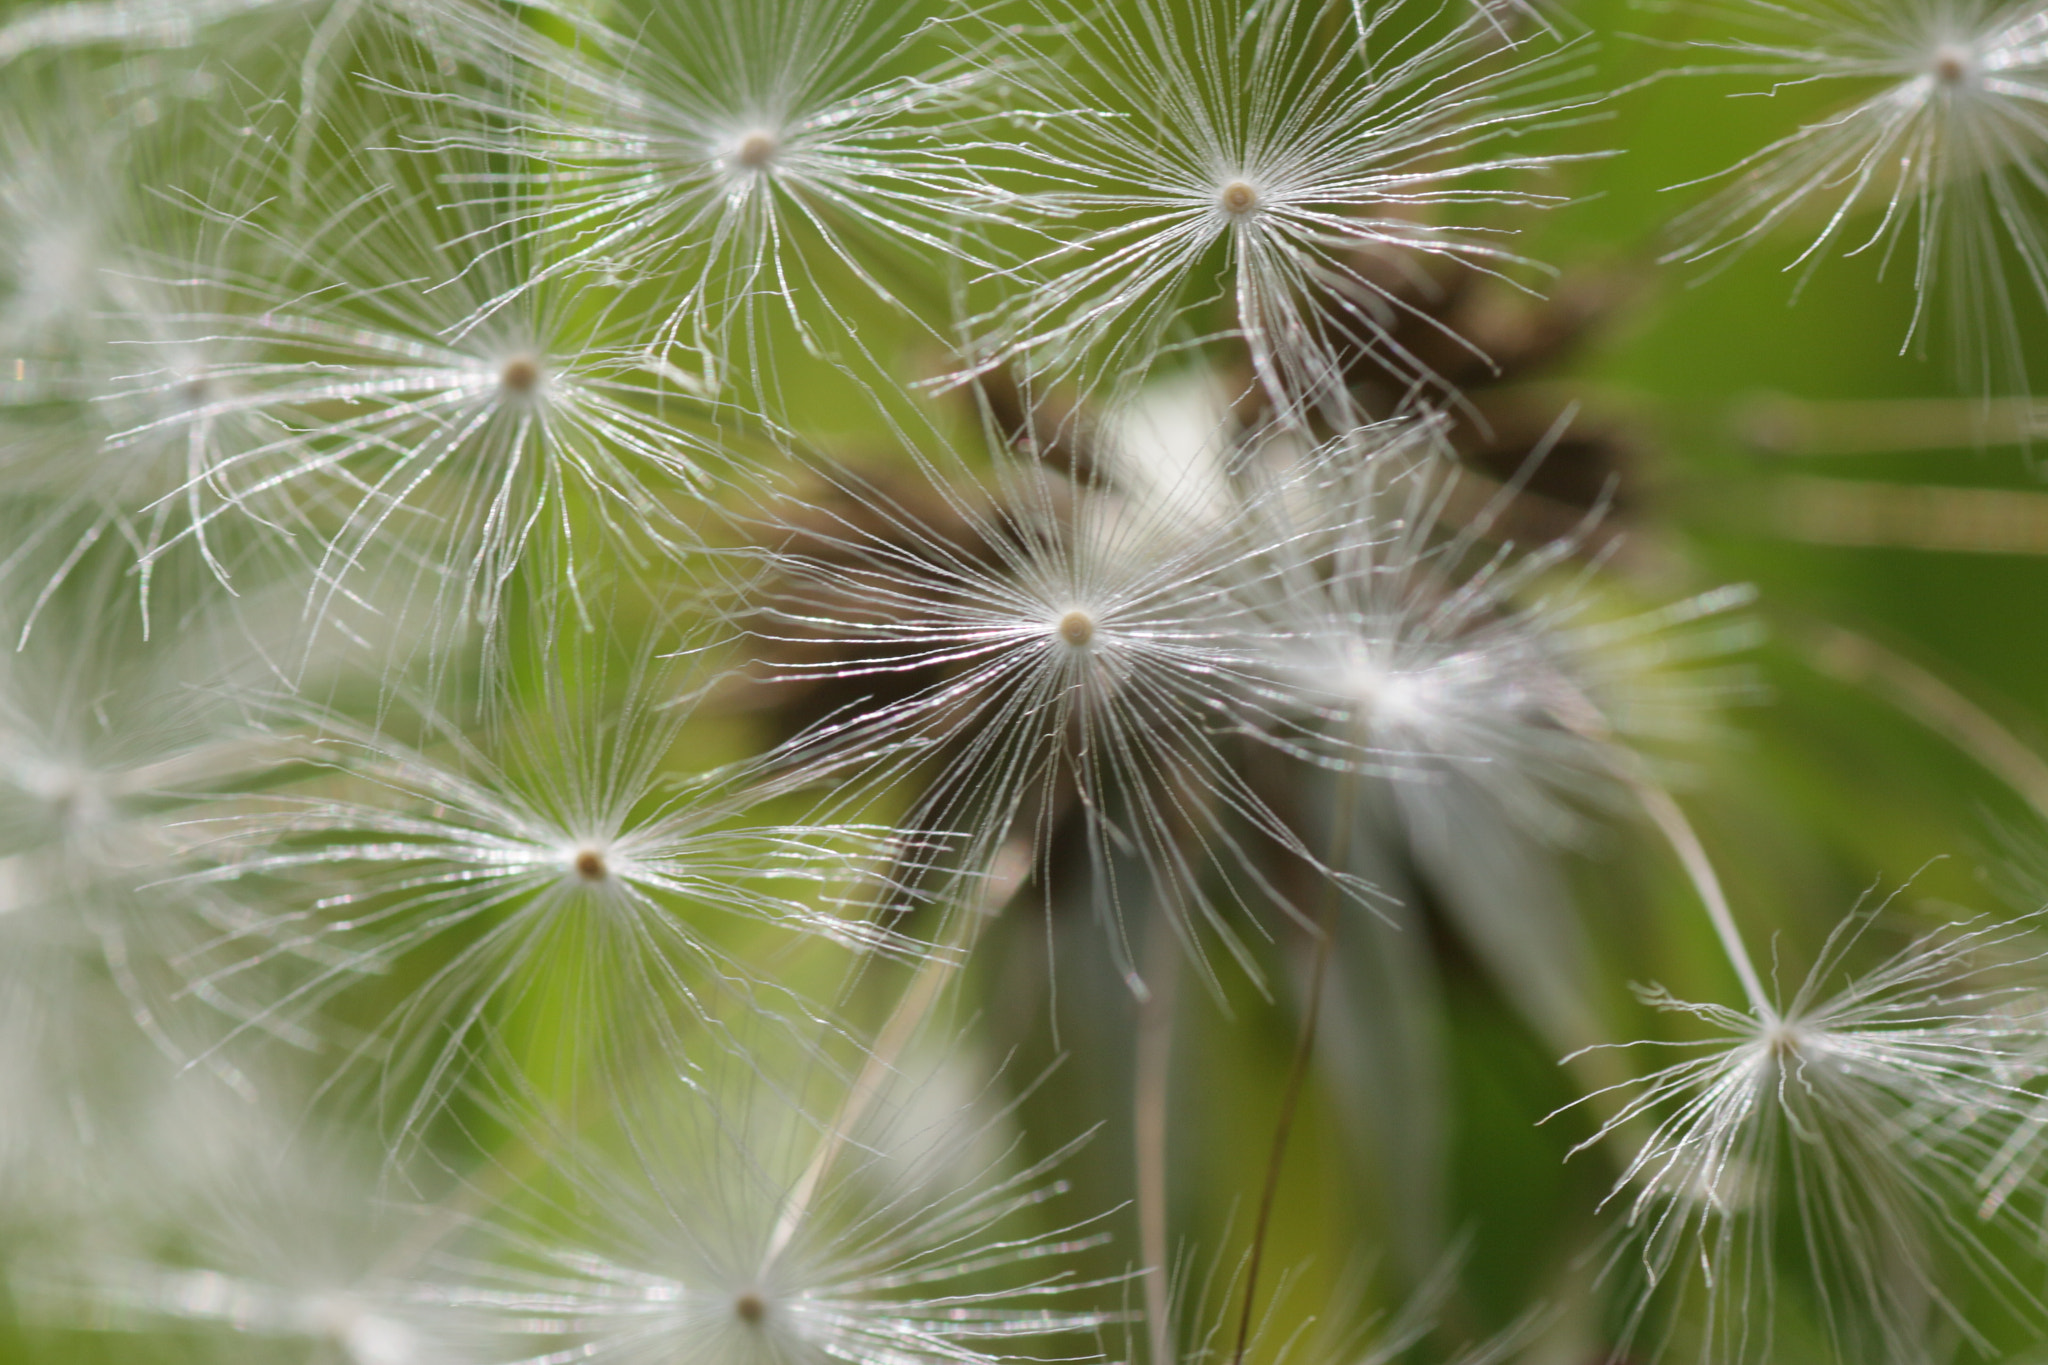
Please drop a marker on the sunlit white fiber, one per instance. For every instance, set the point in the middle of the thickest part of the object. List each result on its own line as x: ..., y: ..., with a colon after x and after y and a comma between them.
x: 348, y: 389
x: 1830, y: 1150
x: 102, y: 754
x: 294, y: 1246
x: 1301, y: 158
x: 1071, y: 653
x: 560, y: 862
x: 133, y: 24
x: 77, y: 217
x: 197, y: 41
x: 728, y: 1227
x: 74, y: 23
x: 1411, y: 638
x: 65, y: 205
x: 1933, y: 165
x: 736, y: 156
x: 378, y: 1322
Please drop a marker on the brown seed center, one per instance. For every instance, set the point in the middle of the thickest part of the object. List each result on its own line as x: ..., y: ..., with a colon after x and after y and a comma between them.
x: 1077, y: 628
x: 520, y: 375
x: 1952, y: 65
x: 750, y: 1307
x: 590, y: 865
x: 756, y: 150
x: 1238, y: 197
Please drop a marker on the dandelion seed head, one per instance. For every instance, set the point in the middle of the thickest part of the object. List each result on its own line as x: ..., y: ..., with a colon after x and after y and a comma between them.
x: 1928, y: 168
x: 309, y: 1260
x: 1404, y: 645
x: 1866, y: 1117
x: 742, y: 1233
x: 502, y: 849
x: 1086, y: 654
x: 1207, y: 133
x: 396, y: 410
x: 726, y: 148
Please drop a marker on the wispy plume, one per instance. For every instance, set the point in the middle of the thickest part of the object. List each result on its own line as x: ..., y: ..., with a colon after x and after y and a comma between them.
x: 1932, y: 167
x: 557, y: 879
x: 1825, y: 1157
x: 752, y: 157
x: 1272, y: 176
x: 1054, y: 654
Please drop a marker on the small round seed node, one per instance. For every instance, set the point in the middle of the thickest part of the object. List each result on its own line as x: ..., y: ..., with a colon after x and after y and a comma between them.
x: 1077, y: 628
x: 756, y: 149
x: 521, y: 374
x: 1953, y: 64
x: 195, y: 391
x: 1788, y: 1044
x: 749, y: 1307
x: 590, y: 865
x: 1238, y: 197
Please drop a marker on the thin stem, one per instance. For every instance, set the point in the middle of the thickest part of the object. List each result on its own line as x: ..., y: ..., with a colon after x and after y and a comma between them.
x: 1930, y: 700
x: 1304, y: 1050
x: 1678, y: 832
x: 1149, y: 1100
x: 1012, y: 865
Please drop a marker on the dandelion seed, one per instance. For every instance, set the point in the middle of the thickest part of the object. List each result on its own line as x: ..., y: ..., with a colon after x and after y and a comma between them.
x: 1407, y: 647
x: 102, y: 754
x: 1272, y: 152
x: 1852, y: 1127
x: 521, y: 374
x: 729, y: 1226
x: 320, y: 34
x: 1944, y: 152
x: 562, y: 862
x: 756, y: 150
x: 74, y: 145
x: 406, y: 438
x: 299, y: 1248
x: 737, y: 155
x: 1069, y: 651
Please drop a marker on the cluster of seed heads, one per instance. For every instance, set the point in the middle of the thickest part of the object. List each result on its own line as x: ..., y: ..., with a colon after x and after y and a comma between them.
x: 576, y: 571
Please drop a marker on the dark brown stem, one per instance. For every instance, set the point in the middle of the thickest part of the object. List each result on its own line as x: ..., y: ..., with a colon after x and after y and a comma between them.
x: 1304, y: 1051
x: 1150, y: 1099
